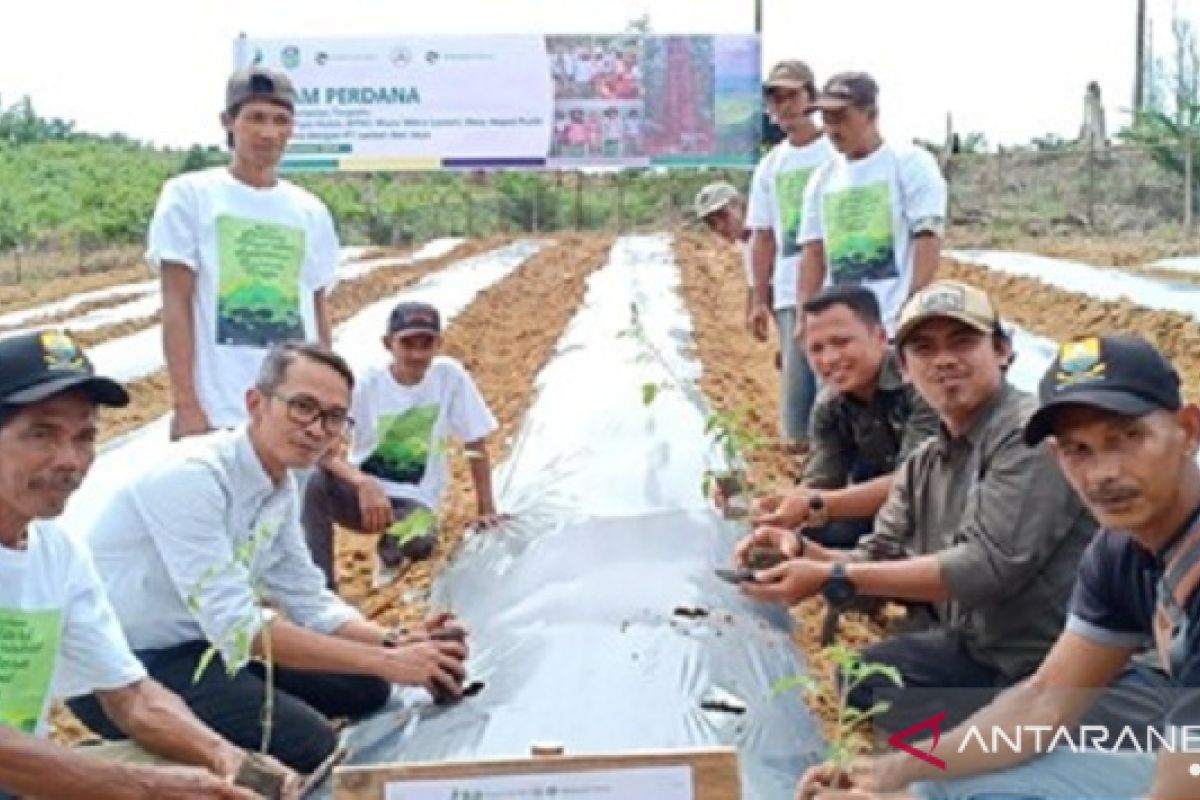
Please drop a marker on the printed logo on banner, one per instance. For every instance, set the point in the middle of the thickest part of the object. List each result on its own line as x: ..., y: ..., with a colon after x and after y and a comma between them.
x: 290, y: 56
x: 432, y: 57
x: 401, y: 57
x: 321, y: 58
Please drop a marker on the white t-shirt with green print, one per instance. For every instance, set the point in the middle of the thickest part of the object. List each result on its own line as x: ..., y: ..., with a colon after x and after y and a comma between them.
x: 59, y: 636
x: 866, y: 212
x: 402, y: 433
x: 776, y: 202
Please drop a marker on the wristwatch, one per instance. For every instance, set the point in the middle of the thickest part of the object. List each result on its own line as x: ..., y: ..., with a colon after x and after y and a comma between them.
x: 818, y: 513
x: 838, y: 589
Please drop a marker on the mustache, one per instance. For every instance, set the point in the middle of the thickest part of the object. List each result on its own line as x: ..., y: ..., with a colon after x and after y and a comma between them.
x: 60, y: 482
x: 1113, y: 493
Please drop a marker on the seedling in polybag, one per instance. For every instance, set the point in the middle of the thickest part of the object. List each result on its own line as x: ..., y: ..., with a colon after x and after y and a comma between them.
x: 731, y: 433
x: 848, y: 741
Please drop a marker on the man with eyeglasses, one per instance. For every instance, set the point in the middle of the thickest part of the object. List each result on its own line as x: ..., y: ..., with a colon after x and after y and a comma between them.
x: 205, y: 550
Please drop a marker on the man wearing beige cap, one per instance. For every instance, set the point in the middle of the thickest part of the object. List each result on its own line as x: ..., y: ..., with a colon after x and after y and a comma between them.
x: 777, y: 192
x: 246, y: 259
x: 978, y: 525
x: 876, y: 215
x: 722, y: 209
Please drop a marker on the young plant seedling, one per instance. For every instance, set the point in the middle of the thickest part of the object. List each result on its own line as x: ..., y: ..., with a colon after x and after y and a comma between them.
x: 254, y: 773
x: 730, y: 432
x: 848, y: 741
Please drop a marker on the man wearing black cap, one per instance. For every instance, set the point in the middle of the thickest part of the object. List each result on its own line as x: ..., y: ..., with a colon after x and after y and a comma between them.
x: 58, y: 634
x: 1127, y: 443
x: 875, y: 216
x: 978, y: 526
x: 246, y: 259
x: 406, y: 413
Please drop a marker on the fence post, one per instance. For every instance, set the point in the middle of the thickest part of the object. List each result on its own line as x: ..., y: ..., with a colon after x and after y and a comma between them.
x: 1091, y: 183
x: 1188, y: 167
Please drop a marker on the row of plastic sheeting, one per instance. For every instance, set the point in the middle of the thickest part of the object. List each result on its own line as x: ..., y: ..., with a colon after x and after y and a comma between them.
x: 596, y: 619
x: 1101, y: 283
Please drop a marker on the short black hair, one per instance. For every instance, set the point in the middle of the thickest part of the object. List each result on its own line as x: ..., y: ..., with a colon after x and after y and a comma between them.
x: 273, y: 371
x: 859, y: 299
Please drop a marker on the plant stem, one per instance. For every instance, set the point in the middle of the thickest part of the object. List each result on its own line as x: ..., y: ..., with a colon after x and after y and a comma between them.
x: 268, y: 708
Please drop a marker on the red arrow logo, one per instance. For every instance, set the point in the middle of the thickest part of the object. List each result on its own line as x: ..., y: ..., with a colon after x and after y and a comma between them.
x: 898, y: 740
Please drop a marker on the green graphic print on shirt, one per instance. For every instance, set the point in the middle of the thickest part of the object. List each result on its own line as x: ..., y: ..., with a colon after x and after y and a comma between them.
x: 29, y: 645
x: 859, y: 241
x: 258, y: 301
x: 789, y: 193
x: 404, y: 445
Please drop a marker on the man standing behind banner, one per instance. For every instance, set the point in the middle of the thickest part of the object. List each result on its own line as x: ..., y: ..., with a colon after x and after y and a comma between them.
x: 246, y: 259
x: 775, y: 212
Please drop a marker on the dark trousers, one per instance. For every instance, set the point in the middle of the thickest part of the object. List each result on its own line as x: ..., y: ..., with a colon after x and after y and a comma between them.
x: 927, y: 660
x: 941, y: 676
x: 301, y: 737
x: 328, y: 500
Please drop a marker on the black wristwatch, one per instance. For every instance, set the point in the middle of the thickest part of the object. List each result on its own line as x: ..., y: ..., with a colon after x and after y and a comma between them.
x: 818, y: 513
x: 838, y: 589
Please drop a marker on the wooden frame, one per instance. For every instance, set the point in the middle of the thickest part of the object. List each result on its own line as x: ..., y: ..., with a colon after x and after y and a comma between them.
x: 715, y: 773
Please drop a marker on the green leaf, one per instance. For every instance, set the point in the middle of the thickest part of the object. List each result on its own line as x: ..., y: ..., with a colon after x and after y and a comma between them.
x: 649, y: 392
x: 202, y: 665
x: 806, y: 683
x: 415, y: 524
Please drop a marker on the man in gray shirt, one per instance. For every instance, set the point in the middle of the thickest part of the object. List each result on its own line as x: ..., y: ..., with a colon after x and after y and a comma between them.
x: 205, y: 549
x: 981, y: 526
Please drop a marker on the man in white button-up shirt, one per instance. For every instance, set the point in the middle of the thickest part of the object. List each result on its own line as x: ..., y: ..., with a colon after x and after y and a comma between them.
x: 194, y: 548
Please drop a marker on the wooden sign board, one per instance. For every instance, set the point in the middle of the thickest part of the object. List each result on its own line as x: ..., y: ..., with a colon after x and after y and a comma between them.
x: 700, y: 774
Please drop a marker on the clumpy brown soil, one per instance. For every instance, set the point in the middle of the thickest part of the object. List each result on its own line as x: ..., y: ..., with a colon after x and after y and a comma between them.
x: 504, y: 338
x: 27, y: 295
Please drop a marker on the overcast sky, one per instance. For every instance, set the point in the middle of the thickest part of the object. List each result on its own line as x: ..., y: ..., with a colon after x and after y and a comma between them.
x: 1012, y: 69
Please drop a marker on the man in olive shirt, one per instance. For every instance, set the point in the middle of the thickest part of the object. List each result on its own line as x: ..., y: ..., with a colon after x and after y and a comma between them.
x: 981, y: 526
x: 866, y: 422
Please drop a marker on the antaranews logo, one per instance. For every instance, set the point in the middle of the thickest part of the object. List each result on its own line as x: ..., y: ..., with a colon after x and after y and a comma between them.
x: 899, y: 739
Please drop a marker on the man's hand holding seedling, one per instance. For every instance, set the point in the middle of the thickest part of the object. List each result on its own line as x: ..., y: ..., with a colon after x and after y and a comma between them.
x: 435, y: 664
x: 788, y: 510
x: 790, y: 582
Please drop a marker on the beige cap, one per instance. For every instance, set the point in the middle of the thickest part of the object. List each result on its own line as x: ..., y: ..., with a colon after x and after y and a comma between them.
x: 789, y: 75
x: 952, y: 299
x: 714, y: 197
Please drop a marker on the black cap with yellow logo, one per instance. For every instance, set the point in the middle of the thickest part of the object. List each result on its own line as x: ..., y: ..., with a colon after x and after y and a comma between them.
x: 41, y: 364
x: 1121, y: 373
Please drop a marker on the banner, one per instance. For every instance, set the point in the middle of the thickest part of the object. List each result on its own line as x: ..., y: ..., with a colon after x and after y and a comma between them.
x: 457, y: 102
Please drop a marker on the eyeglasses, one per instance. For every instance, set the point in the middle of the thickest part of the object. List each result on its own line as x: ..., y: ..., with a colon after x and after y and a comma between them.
x: 302, y: 409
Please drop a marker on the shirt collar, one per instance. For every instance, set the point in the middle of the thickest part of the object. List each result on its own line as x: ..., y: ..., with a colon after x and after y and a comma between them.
x: 253, y: 476
x: 890, y: 376
x: 981, y: 423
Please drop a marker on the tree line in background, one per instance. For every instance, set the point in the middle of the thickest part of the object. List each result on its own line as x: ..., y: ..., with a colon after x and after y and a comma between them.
x: 62, y: 185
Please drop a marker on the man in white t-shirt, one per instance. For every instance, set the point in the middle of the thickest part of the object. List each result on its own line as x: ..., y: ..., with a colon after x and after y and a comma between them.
x: 723, y: 211
x: 877, y: 214
x: 406, y: 412
x: 204, y: 550
x: 776, y: 209
x: 58, y: 634
x: 246, y: 259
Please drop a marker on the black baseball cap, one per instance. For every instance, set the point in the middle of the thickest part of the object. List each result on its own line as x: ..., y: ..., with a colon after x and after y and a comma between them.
x: 1121, y: 373
x: 41, y: 364
x: 260, y: 83
x: 414, y: 317
x: 845, y: 89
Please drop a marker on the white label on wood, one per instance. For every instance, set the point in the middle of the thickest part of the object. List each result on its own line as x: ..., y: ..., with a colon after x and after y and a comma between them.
x: 633, y: 783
